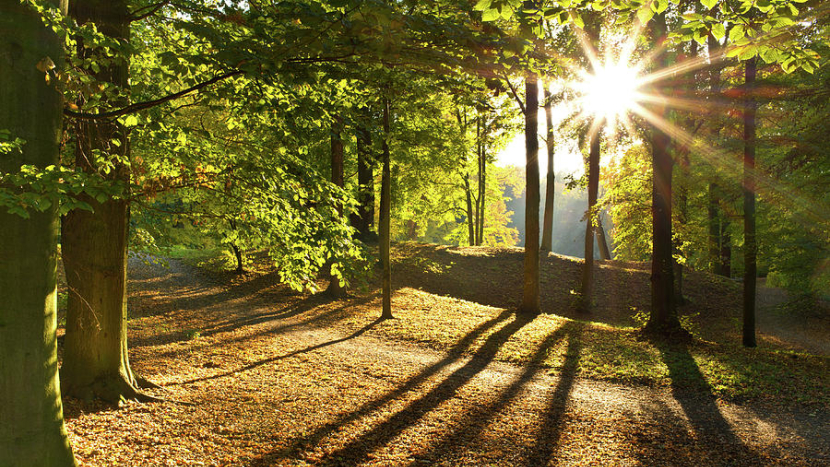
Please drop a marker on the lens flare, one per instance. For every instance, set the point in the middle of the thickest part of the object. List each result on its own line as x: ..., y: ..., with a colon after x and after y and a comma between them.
x: 612, y: 91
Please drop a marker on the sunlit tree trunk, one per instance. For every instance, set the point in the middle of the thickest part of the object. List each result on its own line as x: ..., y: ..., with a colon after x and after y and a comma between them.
x: 32, y: 431
x: 750, y: 245
x: 602, y: 241
x: 593, y: 191
x: 385, y: 216
x: 550, y: 188
x: 663, y: 318
x: 96, y: 362
x: 530, y: 300
x: 470, y: 214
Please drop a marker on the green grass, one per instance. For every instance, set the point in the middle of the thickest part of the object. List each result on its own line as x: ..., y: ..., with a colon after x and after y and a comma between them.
x: 603, y: 352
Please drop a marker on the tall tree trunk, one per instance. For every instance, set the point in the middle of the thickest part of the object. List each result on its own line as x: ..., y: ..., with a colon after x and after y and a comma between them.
x: 385, y: 216
x: 478, y: 191
x: 719, y: 238
x: 663, y: 319
x: 482, y: 191
x: 713, y: 201
x: 530, y: 299
x: 366, y: 190
x: 750, y: 245
x: 470, y: 214
x: 726, y: 248
x: 336, y: 289
x: 602, y: 241
x: 32, y: 431
x: 95, y: 361
x: 550, y: 189
x: 593, y: 191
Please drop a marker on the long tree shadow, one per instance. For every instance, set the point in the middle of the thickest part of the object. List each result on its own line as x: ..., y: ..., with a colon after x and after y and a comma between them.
x: 358, y: 449
x: 454, y: 354
x: 317, y: 320
x: 691, y: 390
x: 479, y: 418
x: 547, y: 440
x: 266, y: 361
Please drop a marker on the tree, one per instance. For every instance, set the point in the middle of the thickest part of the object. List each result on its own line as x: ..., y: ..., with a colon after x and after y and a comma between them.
x: 550, y: 187
x: 32, y: 431
x: 96, y: 360
x: 663, y: 318
x: 530, y: 299
x: 385, y: 214
x: 336, y: 289
x: 749, y: 175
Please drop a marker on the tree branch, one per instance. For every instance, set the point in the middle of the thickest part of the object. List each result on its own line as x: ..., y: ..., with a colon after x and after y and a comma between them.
x: 132, y: 108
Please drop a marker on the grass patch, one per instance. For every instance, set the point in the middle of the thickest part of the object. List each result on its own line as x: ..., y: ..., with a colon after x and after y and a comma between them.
x: 608, y: 353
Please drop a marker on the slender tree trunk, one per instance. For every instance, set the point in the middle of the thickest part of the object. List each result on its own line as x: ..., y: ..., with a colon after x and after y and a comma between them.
x: 366, y: 190
x: 482, y: 192
x: 602, y: 241
x: 95, y: 361
x: 550, y: 189
x: 593, y: 191
x: 480, y: 175
x: 32, y: 431
x: 530, y: 300
x: 750, y: 245
x: 663, y: 319
x: 385, y: 216
x: 470, y: 214
x: 237, y: 253
x: 725, y: 249
x: 336, y: 289
x: 682, y: 220
x: 714, y: 228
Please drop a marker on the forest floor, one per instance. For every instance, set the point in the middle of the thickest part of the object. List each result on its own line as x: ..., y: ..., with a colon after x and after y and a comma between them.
x: 257, y: 374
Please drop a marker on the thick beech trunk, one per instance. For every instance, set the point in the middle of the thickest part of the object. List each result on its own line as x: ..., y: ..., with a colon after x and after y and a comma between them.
x: 336, y: 289
x: 32, y: 431
x: 94, y: 244
x: 385, y: 217
x: 750, y: 245
x: 550, y: 188
x: 530, y: 299
x: 663, y: 319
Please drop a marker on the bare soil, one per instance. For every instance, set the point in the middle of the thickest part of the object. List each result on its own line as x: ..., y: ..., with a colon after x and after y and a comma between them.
x: 267, y: 376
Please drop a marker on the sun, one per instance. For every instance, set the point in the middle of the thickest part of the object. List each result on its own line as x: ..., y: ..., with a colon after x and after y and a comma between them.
x: 611, y: 91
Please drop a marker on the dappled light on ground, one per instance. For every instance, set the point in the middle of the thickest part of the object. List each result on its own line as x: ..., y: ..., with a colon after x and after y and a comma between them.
x: 266, y: 376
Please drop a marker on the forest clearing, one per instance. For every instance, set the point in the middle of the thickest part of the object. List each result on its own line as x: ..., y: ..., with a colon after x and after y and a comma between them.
x: 269, y: 376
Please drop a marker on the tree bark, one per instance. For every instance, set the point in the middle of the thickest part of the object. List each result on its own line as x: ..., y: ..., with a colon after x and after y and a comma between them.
x: 602, y: 241
x: 750, y: 245
x: 32, y: 431
x: 385, y: 216
x: 366, y: 190
x: 663, y: 319
x: 593, y: 191
x: 336, y: 289
x: 530, y: 300
x: 470, y: 214
x: 95, y: 362
x: 550, y: 188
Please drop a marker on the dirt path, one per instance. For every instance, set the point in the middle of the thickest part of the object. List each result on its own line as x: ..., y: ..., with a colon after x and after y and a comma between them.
x: 275, y: 380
